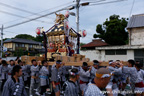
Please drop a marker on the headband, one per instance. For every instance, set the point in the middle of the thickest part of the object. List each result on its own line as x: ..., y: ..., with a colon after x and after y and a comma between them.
x: 58, y: 62
x: 72, y: 73
x: 111, y: 62
x: 103, y: 75
x: 96, y: 63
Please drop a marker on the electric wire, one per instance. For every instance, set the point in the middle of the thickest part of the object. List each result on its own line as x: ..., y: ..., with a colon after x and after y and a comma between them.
x: 65, y: 8
x: 21, y: 16
x: 38, y: 12
x: 107, y: 2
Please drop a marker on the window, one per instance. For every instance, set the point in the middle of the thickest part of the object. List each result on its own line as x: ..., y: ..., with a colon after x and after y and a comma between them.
x: 16, y: 45
x: 115, y: 52
x: 30, y: 46
x: 22, y: 45
x: 109, y: 52
x: 121, y: 52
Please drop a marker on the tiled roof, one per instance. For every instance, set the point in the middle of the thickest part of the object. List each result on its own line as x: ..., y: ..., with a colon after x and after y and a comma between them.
x: 95, y: 43
x: 136, y: 21
x: 25, y: 41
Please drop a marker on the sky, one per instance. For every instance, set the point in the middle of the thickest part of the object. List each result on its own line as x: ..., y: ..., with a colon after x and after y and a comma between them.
x: 90, y: 16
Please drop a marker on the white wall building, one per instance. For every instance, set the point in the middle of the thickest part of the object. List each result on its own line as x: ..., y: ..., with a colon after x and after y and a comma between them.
x: 135, y: 49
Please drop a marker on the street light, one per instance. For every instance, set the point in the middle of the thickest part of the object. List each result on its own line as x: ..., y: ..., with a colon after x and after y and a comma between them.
x: 72, y: 13
x: 84, y: 4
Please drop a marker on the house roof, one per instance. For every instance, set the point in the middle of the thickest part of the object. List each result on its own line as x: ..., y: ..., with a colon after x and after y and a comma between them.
x: 95, y: 43
x: 25, y: 41
x: 136, y: 21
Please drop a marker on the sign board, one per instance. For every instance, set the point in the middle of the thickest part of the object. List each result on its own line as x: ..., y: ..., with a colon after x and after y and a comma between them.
x: 4, y: 49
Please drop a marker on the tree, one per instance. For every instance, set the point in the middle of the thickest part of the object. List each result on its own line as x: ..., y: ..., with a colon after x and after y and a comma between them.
x: 39, y: 38
x: 113, y: 30
x: 81, y: 44
x: 25, y: 36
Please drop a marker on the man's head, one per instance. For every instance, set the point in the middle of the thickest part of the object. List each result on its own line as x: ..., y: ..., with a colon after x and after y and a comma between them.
x: 17, y: 71
x: 20, y: 62
x: 117, y: 63
x: 138, y: 66
x: 112, y: 63
x: 85, y: 66
x: 102, y: 78
x: 137, y: 62
x: 131, y: 63
x: 74, y: 74
x: 58, y: 63
x: 12, y: 62
x: 4, y: 63
x: 34, y: 62
x: 45, y: 63
x: 96, y: 64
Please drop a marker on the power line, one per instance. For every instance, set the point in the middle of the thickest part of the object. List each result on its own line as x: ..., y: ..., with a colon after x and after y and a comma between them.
x: 131, y: 8
x: 107, y: 2
x: 11, y: 32
x: 21, y: 16
x: 9, y: 6
x: 36, y: 18
x: 39, y: 12
x: 93, y: 1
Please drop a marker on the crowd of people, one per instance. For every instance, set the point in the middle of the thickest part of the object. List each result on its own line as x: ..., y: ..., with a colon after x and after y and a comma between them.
x: 60, y: 80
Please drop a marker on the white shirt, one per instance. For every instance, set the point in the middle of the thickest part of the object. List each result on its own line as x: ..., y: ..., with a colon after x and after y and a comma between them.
x: 93, y: 90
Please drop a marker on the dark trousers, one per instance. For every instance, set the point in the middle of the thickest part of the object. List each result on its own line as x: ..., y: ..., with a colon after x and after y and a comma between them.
x: 43, y: 89
x: 28, y: 81
x: 3, y: 82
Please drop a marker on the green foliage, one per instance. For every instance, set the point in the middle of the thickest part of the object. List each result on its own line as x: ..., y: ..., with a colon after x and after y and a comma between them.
x: 81, y: 44
x: 39, y: 38
x: 19, y: 52
x: 25, y: 36
x: 113, y: 30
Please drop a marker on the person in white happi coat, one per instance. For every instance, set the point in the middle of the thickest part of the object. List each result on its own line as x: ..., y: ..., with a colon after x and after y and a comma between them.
x: 3, y: 73
x: 135, y: 79
x: 14, y: 86
x: 84, y: 73
x: 10, y: 67
x: 70, y: 86
x: 101, y: 80
x: 34, y: 77
x: 140, y: 86
x: 94, y: 69
x: 28, y: 75
x: 44, y: 77
x: 112, y: 85
x: 24, y: 71
x: 55, y: 77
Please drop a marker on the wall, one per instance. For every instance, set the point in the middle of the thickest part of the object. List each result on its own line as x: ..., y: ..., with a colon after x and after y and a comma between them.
x: 13, y: 45
x: 8, y: 45
x: 26, y: 45
x: 92, y: 54
x: 100, y: 55
x: 137, y: 35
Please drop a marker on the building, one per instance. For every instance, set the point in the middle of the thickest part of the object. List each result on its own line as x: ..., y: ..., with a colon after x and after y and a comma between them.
x: 93, y: 44
x: 134, y: 50
x: 25, y: 45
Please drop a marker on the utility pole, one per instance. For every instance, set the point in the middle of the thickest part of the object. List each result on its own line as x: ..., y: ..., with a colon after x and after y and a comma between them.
x: 77, y: 14
x: 77, y: 23
x: 1, y: 40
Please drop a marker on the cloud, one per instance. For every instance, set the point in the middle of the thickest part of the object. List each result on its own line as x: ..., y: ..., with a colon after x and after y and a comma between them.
x: 90, y: 16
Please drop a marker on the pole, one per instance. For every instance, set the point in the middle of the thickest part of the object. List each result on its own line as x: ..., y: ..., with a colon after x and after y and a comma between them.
x: 1, y: 41
x: 77, y: 14
x: 77, y: 23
